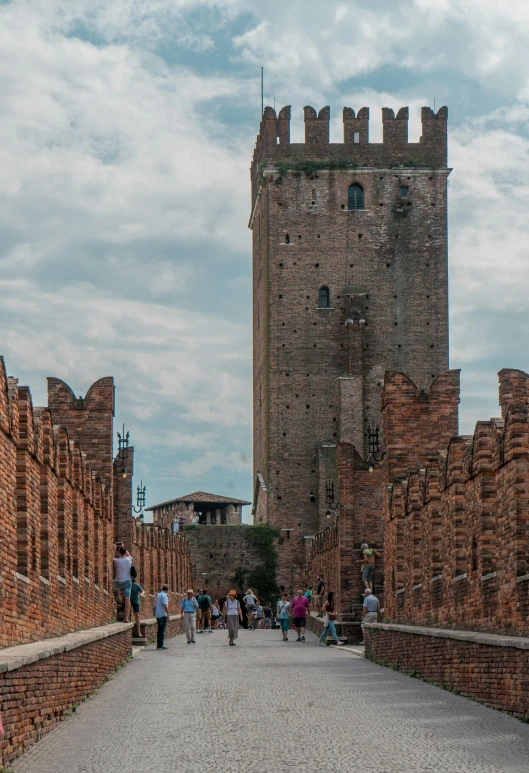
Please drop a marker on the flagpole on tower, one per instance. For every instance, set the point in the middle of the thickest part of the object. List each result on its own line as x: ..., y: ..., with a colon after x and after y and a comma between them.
x: 262, y: 90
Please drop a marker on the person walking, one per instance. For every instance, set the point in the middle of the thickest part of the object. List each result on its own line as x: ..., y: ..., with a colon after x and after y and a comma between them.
x: 370, y: 608
x: 215, y: 615
x: 251, y: 602
x: 283, y: 613
x: 330, y: 616
x: 267, y: 612
x: 320, y: 592
x: 136, y: 593
x: 259, y: 616
x: 369, y: 556
x: 189, y: 607
x: 300, y: 609
x: 198, y: 596
x: 204, y: 603
x: 122, y: 579
x: 161, y: 613
x: 232, y: 615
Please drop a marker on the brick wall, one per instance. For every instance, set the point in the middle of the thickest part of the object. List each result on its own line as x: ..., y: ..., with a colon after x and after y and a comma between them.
x: 318, y: 372
x: 457, y: 524
x: 359, y: 519
x: 37, y: 696
x: 484, y: 671
x: 63, y: 504
x: 218, y: 554
x: 160, y: 557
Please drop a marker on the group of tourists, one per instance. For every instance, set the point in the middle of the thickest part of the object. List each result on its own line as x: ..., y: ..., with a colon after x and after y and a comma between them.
x: 201, y: 614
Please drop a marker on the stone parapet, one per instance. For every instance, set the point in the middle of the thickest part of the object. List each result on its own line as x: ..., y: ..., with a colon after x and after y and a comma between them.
x: 41, y: 682
x: 488, y: 668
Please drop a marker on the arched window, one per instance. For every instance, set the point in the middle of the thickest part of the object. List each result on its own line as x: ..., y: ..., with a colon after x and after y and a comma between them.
x: 356, y: 197
x: 324, y: 298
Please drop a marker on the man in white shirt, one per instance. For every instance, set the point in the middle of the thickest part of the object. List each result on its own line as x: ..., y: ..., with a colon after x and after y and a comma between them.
x: 122, y: 580
x: 161, y: 613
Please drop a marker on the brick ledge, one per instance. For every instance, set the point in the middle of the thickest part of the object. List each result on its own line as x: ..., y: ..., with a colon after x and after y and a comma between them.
x: 153, y: 620
x: 12, y: 658
x: 477, y: 637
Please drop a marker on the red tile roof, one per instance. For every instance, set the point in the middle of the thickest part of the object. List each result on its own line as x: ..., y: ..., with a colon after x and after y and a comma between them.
x: 202, y: 497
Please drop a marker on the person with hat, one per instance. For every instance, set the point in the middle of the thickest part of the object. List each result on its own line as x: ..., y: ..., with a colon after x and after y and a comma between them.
x: 232, y: 615
x: 189, y: 607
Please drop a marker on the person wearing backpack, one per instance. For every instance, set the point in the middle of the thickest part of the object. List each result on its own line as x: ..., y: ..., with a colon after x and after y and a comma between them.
x: 204, y: 603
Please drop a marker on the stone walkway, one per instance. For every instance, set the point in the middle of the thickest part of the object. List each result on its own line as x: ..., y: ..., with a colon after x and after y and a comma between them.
x: 272, y: 707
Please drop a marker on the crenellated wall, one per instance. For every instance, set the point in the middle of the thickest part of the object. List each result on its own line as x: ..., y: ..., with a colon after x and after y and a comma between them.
x: 56, y: 529
x: 273, y: 141
x: 63, y: 504
x: 457, y: 509
x: 350, y: 281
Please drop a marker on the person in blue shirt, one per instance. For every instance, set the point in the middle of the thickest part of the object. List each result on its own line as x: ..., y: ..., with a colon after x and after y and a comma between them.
x: 161, y: 613
x: 189, y: 607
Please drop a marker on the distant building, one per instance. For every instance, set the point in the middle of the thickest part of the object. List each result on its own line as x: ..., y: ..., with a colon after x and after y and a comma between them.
x: 209, y: 508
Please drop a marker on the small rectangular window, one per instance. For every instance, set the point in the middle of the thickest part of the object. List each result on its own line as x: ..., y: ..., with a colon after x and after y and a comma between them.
x: 356, y: 138
x: 403, y: 191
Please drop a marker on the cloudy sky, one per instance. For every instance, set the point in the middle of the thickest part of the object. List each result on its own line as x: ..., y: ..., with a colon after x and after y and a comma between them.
x: 127, y: 128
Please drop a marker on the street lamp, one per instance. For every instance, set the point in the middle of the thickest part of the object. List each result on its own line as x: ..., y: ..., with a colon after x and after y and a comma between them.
x: 375, y: 454
x: 329, y: 497
x: 140, y: 499
x: 123, y: 444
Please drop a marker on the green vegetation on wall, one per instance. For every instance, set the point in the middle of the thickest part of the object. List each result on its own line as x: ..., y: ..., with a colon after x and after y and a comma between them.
x: 262, y: 579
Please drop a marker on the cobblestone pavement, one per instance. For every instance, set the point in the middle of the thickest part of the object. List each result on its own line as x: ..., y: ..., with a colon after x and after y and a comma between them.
x: 270, y: 706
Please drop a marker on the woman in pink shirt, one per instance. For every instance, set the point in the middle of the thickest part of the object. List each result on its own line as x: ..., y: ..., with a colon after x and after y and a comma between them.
x: 300, y: 608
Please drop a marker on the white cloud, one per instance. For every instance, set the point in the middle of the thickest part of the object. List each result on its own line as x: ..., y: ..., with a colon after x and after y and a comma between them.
x: 124, y: 191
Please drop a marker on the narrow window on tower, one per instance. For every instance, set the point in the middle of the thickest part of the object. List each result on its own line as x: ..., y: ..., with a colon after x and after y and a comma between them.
x: 287, y: 239
x: 356, y: 197
x: 403, y: 191
x: 324, y: 298
x: 356, y: 137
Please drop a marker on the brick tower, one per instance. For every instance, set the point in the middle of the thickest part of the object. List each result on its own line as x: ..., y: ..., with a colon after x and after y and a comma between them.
x: 349, y: 280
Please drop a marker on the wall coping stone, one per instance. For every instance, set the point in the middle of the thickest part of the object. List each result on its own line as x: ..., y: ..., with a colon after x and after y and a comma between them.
x: 477, y: 637
x: 12, y: 658
x: 488, y: 576
x: 460, y: 577
x: 23, y: 578
x: 522, y: 578
x: 153, y: 620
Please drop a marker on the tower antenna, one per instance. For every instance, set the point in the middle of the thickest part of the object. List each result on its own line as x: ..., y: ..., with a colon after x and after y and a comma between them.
x: 262, y: 90
x: 434, y: 104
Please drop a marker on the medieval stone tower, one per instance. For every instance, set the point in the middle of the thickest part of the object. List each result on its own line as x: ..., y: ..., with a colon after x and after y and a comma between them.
x: 349, y: 280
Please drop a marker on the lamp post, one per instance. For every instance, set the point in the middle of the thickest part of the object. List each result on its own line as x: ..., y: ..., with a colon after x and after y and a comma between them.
x: 375, y: 455
x: 140, y: 499
x: 123, y: 444
x: 329, y: 497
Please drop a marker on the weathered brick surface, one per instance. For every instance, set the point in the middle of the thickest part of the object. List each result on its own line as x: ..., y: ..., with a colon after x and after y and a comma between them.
x: 318, y: 373
x: 359, y: 519
x: 219, y: 555
x: 37, y: 696
x: 64, y: 502
x: 495, y: 676
x: 457, y: 520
